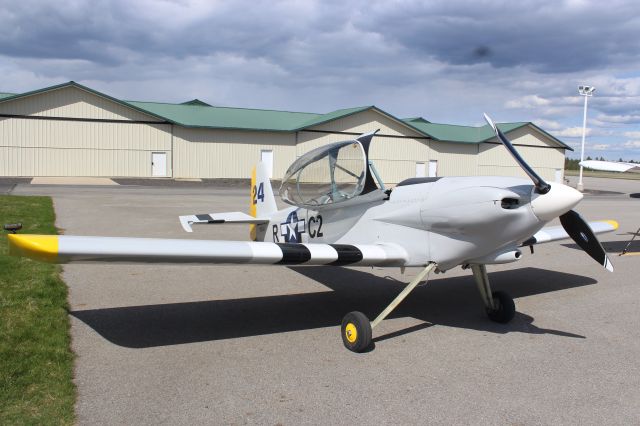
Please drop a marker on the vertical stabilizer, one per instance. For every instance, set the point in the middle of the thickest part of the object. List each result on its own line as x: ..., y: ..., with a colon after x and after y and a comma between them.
x: 262, y: 202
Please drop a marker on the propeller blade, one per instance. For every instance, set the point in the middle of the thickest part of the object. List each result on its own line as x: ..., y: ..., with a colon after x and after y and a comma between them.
x: 542, y: 187
x: 580, y: 232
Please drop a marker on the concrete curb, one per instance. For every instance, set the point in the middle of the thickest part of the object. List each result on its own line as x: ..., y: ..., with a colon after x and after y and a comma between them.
x: 72, y: 181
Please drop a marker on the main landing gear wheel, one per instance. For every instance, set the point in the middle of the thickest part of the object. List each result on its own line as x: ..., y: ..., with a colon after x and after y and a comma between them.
x: 356, y: 328
x: 504, y: 309
x: 356, y: 331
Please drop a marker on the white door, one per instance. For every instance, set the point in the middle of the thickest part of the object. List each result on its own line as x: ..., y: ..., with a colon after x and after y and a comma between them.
x: 158, y: 164
x: 421, y: 169
x: 266, y: 156
x: 559, y: 175
x: 433, y: 168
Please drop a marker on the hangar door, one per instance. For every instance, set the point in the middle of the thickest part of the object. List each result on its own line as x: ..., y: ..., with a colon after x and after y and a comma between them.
x: 55, y: 147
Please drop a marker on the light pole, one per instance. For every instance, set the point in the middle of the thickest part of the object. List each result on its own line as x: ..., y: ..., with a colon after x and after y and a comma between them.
x: 585, y: 91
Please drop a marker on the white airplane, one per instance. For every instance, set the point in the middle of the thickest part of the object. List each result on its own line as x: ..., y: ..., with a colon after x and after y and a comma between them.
x: 347, y: 219
x: 621, y: 167
x: 611, y: 166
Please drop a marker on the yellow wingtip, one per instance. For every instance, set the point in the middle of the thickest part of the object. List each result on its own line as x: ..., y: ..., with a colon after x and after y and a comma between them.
x: 38, y: 247
x: 613, y: 223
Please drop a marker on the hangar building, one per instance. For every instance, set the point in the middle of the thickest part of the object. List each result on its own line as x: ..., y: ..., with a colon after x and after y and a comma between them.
x: 73, y: 130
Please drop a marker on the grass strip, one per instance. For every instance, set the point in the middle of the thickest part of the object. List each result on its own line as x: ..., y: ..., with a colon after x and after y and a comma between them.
x: 36, y: 362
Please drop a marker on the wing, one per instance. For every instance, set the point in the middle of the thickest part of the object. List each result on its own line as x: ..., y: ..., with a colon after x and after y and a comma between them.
x: 554, y: 233
x: 611, y: 166
x: 67, y: 249
x: 209, y: 218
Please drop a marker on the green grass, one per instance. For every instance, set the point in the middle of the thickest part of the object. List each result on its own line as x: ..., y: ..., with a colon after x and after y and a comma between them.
x: 598, y: 174
x: 36, y: 362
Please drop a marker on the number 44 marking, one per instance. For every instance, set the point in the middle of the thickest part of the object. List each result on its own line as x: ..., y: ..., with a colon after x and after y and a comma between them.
x: 258, y: 193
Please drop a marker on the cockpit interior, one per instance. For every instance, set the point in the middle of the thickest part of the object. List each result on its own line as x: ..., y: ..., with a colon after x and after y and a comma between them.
x: 331, y: 174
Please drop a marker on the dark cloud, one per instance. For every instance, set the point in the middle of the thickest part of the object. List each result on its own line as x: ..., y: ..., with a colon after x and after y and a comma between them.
x: 104, y: 31
x: 482, y: 52
x: 87, y: 31
x: 548, y: 36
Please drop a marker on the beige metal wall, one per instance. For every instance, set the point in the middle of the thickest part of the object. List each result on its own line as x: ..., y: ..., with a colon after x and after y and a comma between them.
x: 71, y: 148
x: 72, y: 102
x: 37, y: 147
x: 496, y: 160
x: 50, y: 147
x: 213, y: 153
x: 455, y: 159
x: 394, y: 157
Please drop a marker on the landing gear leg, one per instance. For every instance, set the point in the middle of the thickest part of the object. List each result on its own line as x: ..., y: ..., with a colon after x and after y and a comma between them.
x: 357, y: 330
x: 499, y: 305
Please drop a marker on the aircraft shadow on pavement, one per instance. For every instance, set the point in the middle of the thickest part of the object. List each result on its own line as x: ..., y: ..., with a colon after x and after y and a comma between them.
x: 452, y: 302
x: 614, y: 247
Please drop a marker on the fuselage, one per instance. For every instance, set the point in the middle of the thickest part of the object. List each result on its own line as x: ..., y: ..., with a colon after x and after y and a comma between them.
x: 449, y: 220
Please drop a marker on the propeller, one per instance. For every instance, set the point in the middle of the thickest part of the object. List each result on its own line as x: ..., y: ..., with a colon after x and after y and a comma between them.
x: 579, y: 231
x: 542, y: 187
x: 558, y: 201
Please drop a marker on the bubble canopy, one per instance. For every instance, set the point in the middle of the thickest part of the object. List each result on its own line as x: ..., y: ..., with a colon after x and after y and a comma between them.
x: 327, y: 175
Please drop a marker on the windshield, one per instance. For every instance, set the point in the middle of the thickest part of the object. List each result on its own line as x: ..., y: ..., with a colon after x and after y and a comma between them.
x: 327, y: 175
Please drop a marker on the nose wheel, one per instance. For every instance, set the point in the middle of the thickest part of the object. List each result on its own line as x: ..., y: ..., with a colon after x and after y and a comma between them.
x: 498, y: 304
x: 503, y: 308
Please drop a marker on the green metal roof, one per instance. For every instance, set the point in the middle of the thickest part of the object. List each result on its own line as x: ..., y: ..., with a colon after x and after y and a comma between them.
x: 227, y: 118
x: 468, y: 134
x: 196, y: 113
x: 465, y: 134
x: 334, y: 115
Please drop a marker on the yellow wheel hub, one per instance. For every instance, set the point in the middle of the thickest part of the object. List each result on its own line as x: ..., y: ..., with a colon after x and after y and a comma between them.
x: 351, y: 333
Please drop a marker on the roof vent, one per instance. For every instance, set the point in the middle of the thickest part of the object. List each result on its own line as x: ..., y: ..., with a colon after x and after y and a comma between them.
x: 196, y: 102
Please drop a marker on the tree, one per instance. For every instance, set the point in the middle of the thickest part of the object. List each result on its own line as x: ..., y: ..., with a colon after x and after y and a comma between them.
x: 571, y: 164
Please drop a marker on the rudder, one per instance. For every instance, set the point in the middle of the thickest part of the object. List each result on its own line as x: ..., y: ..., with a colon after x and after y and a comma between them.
x: 262, y: 202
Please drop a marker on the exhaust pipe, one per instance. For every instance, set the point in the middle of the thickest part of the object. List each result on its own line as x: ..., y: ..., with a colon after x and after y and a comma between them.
x: 498, y: 258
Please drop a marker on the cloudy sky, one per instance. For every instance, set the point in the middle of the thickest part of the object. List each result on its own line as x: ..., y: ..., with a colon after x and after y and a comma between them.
x: 447, y: 61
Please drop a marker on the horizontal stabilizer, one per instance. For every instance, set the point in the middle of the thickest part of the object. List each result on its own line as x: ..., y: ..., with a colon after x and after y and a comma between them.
x: 209, y: 218
x: 554, y: 233
x: 67, y: 249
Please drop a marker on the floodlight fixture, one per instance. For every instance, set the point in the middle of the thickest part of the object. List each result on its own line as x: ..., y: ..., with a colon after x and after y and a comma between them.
x: 585, y: 91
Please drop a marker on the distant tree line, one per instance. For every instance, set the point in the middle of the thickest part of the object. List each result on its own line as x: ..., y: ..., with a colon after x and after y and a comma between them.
x: 574, y: 164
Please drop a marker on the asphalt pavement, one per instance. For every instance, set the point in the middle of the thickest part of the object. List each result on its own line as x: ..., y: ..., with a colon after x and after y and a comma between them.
x: 260, y: 344
x: 7, y: 184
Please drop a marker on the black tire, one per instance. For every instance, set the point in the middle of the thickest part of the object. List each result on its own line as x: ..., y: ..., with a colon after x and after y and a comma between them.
x: 505, y: 308
x: 356, y: 331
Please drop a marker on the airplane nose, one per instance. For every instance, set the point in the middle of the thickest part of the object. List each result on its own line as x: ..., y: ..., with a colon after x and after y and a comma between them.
x: 559, y: 200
